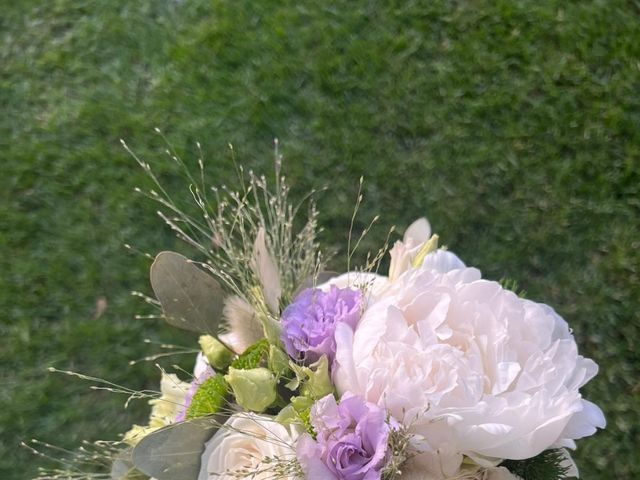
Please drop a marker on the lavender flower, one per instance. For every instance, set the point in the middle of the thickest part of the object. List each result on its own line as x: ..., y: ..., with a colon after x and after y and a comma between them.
x: 309, y: 323
x: 352, y: 440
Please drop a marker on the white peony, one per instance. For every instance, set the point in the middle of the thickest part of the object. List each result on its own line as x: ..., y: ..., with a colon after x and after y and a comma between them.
x: 243, y: 443
x: 471, y: 367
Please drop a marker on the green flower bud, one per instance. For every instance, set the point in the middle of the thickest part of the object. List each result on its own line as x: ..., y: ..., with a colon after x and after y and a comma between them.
x: 318, y: 383
x: 219, y: 356
x: 254, y: 389
x: 313, y: 381
x: 278, y: 361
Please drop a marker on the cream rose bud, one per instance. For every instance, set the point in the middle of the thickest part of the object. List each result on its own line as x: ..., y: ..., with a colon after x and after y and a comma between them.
x: 469, y: 366
x: 218, y: 355
x: 243, y: 443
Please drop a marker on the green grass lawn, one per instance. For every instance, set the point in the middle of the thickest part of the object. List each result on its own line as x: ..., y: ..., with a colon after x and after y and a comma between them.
x: 513, y: 125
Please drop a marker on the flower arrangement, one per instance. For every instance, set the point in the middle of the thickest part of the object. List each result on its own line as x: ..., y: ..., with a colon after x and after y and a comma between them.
x: 429, y: 372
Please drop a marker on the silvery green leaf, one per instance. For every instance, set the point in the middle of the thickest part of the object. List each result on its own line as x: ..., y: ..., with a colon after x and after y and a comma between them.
x: 191, y: 299
x: 173, y: 452
x: 272, y: 329
x: 123, y: 468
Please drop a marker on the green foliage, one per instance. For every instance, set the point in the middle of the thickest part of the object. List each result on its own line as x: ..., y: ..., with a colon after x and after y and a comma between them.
x: 510, y: 284
x: 546, y: 466
x: 253, y: 356
x: 305, y: 417
x: 512, y: 125
x: 219, y: 356
x: 314, y: 381
x: 302, y: 407
x: 210, y: 398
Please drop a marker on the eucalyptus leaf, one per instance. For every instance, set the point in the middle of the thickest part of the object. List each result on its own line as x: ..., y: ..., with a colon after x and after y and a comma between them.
x: 123, y: 468
x: 173, y: 452
x: 191, y: 299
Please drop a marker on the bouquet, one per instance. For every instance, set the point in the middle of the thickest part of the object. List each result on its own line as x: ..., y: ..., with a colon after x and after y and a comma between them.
x: 426, y: 371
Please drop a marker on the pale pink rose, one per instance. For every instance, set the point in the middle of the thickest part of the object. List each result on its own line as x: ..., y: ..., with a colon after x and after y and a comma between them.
x: 470, y: 366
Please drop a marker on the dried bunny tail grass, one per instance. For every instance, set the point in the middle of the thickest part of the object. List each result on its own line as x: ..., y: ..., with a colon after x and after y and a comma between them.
x: 230, y: 222
x: 244, y: 327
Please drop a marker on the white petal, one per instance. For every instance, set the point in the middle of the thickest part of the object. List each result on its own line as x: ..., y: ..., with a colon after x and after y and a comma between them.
x: 584, y: 423
x: 442, y: 261
x: 499, y: 473
x: 418, y: 232
x: 201, y: 365
x: 345, y: 372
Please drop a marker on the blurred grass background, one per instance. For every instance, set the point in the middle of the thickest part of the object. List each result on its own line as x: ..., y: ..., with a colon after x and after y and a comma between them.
x: 513, y: 125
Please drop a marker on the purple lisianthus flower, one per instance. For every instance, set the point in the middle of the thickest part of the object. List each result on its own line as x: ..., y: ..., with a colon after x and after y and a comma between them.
x: 309, y: 323
x: 193, y: 388
x: 351, y: 443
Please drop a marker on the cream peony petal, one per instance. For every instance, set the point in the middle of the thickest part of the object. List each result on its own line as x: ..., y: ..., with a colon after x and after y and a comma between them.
x: 584, y: 423
x: 568, y: 462
x: 418, y: 232
x: 442, y: 261
x: 499, y: 473
x: 344, y: 342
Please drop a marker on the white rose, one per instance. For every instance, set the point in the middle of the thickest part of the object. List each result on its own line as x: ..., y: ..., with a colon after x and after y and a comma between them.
x: 471, y: 367
x: 243, y: 443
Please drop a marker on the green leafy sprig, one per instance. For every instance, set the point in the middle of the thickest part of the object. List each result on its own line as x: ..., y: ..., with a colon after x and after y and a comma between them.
x: 546, y: 466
